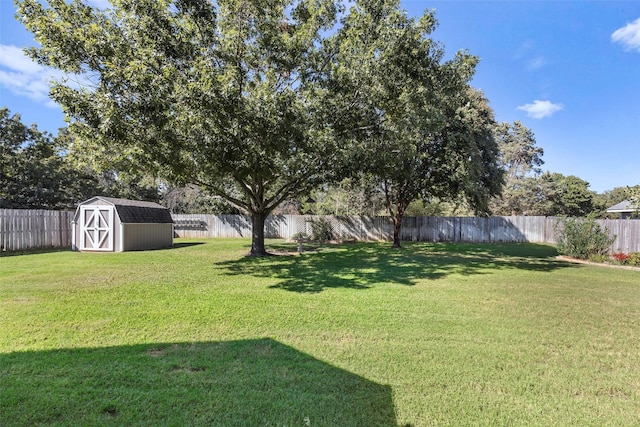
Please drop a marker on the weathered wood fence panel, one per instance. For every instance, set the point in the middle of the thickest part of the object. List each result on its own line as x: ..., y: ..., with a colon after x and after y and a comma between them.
x: 475, y: 230
x: 26, y: 229
x: 427, y: 229
x: 627, y: 232
x: 22, y: 229
x: 535, y: 229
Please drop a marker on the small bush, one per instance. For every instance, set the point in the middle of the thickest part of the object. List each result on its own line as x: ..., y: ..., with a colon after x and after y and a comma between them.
x: 634, y: 259
x: 583, y: 237
x: 321, y: 230
x: 600, y: 259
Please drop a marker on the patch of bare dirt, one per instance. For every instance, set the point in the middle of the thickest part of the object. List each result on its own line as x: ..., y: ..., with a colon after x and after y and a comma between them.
x: 598, y: 264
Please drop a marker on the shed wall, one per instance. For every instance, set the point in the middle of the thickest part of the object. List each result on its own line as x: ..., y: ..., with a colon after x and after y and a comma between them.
x: 137, y: 237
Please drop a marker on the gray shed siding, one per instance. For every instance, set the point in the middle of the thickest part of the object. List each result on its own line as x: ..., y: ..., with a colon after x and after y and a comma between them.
x: 135, y: 237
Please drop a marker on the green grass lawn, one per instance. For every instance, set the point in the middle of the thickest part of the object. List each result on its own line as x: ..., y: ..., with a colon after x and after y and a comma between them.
x: 351, y: 335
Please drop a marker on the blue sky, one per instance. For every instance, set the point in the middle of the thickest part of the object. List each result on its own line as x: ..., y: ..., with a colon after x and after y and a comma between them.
x: 568, y: 70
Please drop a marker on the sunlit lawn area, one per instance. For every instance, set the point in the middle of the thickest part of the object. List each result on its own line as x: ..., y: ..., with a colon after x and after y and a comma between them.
x: 347, y: 335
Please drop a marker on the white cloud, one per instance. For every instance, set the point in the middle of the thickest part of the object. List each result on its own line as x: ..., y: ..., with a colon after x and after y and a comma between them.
x: 13, y: 57
x: 527, y: 54
x: 540, y: 109
x: 536, y: 63
x: 629, y: 35
x: 524, y: 50
x: 23, y: 77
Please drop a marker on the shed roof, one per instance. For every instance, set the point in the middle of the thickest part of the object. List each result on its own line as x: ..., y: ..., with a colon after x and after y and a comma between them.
x: 135, y: 211
x: 624, y: 206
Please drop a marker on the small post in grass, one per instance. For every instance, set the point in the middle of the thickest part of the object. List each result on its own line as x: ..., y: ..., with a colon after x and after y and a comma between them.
x: 300, y: 237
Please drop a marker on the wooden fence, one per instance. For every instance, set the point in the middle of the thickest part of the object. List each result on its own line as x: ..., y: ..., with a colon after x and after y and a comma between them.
x: 627, y: 232
x: 22, y: 229
x: 426, y: 229
x: 535, y: 229
x: 28, y: 229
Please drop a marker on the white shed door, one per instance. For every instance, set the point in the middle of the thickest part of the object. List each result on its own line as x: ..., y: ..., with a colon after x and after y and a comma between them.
x: 96, y: 228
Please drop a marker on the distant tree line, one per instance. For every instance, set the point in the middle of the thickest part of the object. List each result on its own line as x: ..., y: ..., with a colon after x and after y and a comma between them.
x: 36, y: 171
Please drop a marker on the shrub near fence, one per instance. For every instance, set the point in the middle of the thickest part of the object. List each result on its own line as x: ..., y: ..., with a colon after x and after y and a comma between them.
x: 22, y: 229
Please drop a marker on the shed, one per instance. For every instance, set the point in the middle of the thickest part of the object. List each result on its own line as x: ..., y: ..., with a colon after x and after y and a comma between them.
x: 107, y: 224
x: 626, y: 210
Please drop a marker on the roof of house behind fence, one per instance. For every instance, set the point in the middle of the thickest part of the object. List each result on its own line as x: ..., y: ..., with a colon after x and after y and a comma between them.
x: 625, y: 206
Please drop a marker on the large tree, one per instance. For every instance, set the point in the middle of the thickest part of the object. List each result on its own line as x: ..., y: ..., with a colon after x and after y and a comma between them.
x: 423, y: 132
x: 218, y: 94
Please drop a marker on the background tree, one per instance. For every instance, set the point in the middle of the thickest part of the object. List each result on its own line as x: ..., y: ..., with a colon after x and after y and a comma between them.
x: 29, y: 165
x: 414, y: 123
x: 37, y: 173
x: 218, y: 94
x: 521, y: 160
x: 437, y: 207
x: 191, y: 199
x: 605, y: 200
x: 635, y: 199
x: 34, y: 173
x: 519, y: 155
x: 567, y: 195
x: 351, y: 196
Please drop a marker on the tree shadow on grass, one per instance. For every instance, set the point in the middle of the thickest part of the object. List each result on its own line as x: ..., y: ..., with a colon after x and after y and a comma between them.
x: 361, y: 265
x: 34, y: 251
x: 182, y: 245
x: 37, y: 251
x: 230, y: 383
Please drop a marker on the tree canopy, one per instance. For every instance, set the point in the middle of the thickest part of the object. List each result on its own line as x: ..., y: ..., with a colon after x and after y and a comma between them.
x: 520, y: 159
x: 33, y: 171
x: 519, y: 155
x: 567, y: 195
x: 421, y: 131
x: 259, y: 101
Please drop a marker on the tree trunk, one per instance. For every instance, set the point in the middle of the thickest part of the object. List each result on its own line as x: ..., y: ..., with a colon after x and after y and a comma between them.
x: 257, y: 234
x: 396, y: 211
x: 397, y: 225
